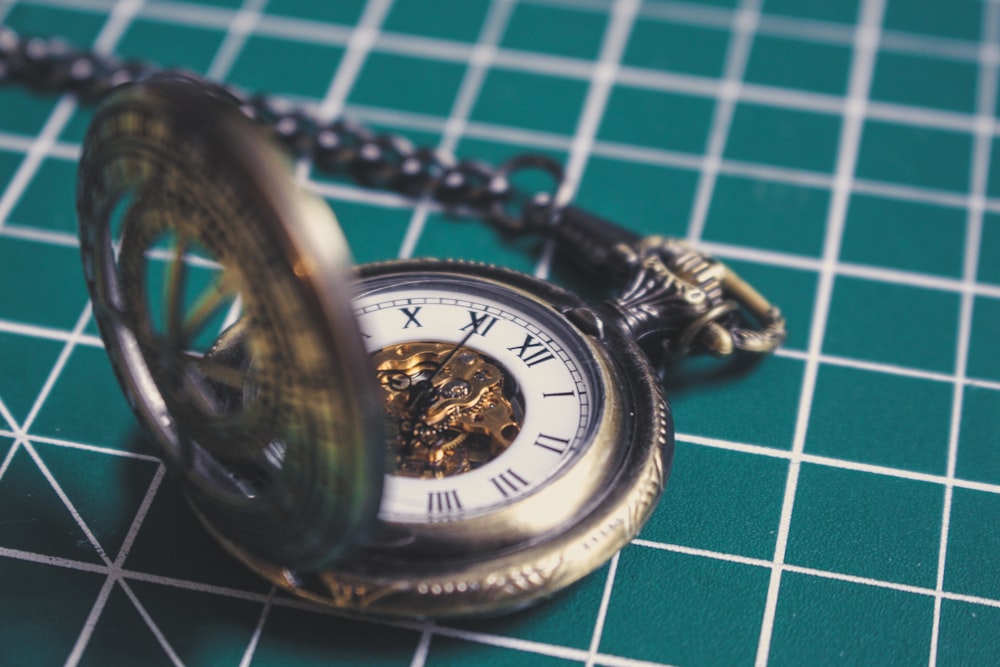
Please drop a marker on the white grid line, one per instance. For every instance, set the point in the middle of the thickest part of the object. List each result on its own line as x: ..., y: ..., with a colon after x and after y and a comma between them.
x: 57, y: 120
x: 745, y: 22
x: 660, y: 157
x: 112, y: 31
x: 356, y: 194
x: 602, y: 610
x: 540, y: 63
x: 8, y: 458
x: 716, y: 443
x: 96, y: 449
x: 90, y: 623
x: 951, y: 200
x: 67, y: 503
x: 979, y: 172
x: 151, y: 624
x: 423, y: 645
x: 118, y: 21
x: 486, y: 638
x: 251, y: 647
x: 358, y: 46
x: 114, y: 572
x: 664, y: 158
x: 56, y: 371
x: 616, y: 34
x: 602, y: 79
x: 966, y: 287
x: 835, y: 463
x: 682, y: 13
x: 481, y: 59
x: 295, y: 603
x: 243, y: 24
x: 862, y: 69
x: 815, y: 572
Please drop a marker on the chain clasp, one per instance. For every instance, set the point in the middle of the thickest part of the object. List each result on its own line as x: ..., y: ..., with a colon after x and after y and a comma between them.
x: 693, y: 302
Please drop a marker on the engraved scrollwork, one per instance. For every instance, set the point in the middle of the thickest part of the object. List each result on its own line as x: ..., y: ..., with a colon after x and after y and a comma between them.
x: 658, y: 302
x: 690, y: 301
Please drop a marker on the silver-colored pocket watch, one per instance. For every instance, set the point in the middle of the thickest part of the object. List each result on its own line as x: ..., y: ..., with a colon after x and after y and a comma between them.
x: 411, y: 438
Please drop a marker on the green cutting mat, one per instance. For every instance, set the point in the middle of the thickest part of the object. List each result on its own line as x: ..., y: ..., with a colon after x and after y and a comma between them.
x: 838, y: 504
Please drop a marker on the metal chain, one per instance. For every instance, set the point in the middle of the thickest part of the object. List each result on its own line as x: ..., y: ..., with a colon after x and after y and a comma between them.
x: 380, y: 160
x: 681, y: 289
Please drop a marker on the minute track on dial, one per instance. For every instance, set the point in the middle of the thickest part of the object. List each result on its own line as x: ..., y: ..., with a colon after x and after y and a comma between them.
x: 502, y: 410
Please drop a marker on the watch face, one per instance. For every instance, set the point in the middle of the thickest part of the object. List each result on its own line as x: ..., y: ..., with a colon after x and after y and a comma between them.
x: 520, y: 453
x: 488, y: 394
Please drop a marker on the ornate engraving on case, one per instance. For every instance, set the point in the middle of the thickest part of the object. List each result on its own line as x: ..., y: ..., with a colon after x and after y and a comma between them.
x: 518, y: 463
x: 657, y: 301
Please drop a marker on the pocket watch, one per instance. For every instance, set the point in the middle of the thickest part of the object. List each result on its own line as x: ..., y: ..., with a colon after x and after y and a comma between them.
x: 426, y: 438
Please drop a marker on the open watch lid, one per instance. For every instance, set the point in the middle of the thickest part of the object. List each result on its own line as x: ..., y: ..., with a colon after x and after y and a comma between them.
x: 221, y: 293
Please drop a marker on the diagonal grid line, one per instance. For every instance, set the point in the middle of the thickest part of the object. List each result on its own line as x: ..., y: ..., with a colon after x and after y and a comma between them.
x: 121, y: 16
x: 114, y: 574
x: 822, y: 360
x: 251, y: 647
x: 70, y: 507
x: 8, y: 458
x: 151, y: 624
x: 602, y: 611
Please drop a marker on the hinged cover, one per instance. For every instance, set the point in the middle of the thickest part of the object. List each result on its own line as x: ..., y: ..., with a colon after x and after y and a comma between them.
x: 221, y: 294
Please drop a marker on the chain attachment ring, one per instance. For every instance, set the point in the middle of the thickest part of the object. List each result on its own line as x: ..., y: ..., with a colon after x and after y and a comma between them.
x: 734, y: 316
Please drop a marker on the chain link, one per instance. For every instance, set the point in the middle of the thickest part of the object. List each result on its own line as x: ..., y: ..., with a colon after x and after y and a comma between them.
x: 463, y: 187
x: 379, y: 160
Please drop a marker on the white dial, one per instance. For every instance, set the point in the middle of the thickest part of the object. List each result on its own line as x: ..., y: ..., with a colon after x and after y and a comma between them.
x: 540, y: 423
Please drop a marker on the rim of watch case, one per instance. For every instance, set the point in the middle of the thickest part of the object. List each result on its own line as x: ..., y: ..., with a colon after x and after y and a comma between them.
x: 172, y: 167
x: 484, y: 565
x: 166, y: 156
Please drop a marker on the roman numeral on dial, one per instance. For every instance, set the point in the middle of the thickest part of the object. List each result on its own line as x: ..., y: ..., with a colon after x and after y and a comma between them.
x: 411, y: 317
x: 550, y: 394
x: 528, y: 353
x: 481, y: 323
x: 552, y: 443
x: 442, y: 502
x: 508, y: 483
